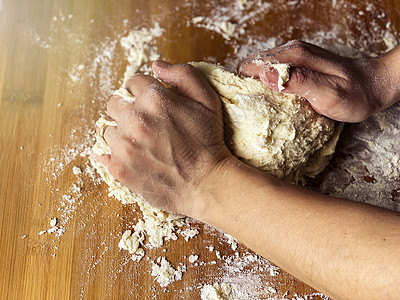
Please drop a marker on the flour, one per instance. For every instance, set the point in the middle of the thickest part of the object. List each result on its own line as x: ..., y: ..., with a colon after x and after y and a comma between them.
x: 76, y: 170
x: 230, y: 21
x: 53, y: 228
x: 222, y: 291
x: 165, y: 274
x: 232, y: 241
x: 53, y: 222
x: 193, y: 258
x: 189, y: 233
x: 375, y: 139
x: 141, y: 49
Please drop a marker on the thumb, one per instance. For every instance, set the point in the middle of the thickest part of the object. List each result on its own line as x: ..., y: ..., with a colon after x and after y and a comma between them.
x: 189, y: 82
x: 302, y: 82
x: 319, y: 89
x: 313, y: 86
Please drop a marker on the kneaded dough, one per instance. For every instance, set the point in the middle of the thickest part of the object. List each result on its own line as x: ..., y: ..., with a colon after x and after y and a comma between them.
x: 275, y: 132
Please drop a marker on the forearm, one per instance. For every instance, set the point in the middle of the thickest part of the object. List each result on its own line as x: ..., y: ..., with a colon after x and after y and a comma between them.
x: 343, y: 248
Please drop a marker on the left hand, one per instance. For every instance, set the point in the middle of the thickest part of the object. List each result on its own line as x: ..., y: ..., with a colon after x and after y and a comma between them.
x: 166, y: 142
x: 341, y: 88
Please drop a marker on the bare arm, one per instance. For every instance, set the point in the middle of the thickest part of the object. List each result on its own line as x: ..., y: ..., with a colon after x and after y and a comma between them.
x: 345, y: 249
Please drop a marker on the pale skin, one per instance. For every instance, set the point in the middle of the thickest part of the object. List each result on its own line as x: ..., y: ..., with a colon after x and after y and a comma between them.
x: 345, y: 249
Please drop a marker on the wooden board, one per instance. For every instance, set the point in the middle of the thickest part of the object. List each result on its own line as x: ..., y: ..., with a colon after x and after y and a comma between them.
x: 59, y: 62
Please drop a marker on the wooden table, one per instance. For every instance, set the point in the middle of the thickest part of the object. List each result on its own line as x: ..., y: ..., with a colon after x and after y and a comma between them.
x: 55, y: 77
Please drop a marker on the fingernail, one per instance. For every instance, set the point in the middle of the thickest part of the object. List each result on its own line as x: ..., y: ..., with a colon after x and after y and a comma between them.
x: 265, y: 77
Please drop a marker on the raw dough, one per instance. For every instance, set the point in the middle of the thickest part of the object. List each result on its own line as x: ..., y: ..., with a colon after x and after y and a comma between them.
x: 222, y: 291
x: 274, y: 132
x: 165, y: 273
x: 277, y: 133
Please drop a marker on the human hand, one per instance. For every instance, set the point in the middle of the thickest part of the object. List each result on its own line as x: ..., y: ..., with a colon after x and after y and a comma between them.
x: 166, y: 142
x: 344, y: 89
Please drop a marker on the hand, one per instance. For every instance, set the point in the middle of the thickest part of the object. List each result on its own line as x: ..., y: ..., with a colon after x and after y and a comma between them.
x: 166, y: 142
x: 344, y: 89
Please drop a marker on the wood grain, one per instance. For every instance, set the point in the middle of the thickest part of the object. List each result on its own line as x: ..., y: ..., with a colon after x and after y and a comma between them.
x: 45, y: 114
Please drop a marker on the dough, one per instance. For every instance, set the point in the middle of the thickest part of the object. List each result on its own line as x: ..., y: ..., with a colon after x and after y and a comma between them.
x: 274, y: 132
x: 277, y: 133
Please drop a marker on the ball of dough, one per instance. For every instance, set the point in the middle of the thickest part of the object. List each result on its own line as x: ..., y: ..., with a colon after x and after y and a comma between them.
x: 275, y: 132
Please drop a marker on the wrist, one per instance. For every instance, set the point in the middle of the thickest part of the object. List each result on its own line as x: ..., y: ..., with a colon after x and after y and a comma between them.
x: 204, y: 199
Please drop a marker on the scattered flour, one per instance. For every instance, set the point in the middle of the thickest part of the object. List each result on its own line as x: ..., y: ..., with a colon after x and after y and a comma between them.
x: 232, y: 241
x: 189, y: 233
x: 141, y: 49
x: 222, y: 291
x: 379, y: 155
x: 76, y: 170
x: 131, y: 242
x: 193, y: 258
x: 53, y: 228
x: 165, y: 274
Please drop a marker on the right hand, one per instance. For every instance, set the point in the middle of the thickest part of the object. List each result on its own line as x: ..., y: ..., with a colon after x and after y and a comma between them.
x: 344, y: 89
x: 167, y: 142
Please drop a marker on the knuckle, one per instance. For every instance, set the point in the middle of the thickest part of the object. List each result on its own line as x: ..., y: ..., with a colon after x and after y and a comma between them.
x: 117, y: 170
x: 299, y: 76
x: 297, y: 42
x: 297, y: 48
x: 138, y: 126
x: 187, y: 70
x: 154, y: 90
x: 112, y: 102
x: 156, y: 96
x: 134, y: 79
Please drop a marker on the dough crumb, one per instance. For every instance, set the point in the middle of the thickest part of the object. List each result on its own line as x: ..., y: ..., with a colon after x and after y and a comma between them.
x: 232, y: 241
x: 193, y: 258
x: 222, y: 291
x: 76, y: 170
x: 189, y: 233
x: 165, y: 274
x: 53, y: 222
x: 131, y: 242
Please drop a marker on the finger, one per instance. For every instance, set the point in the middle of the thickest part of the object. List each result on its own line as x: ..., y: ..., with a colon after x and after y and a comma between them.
x: 321, y: 91
x: 102, y: 159
x: 138, y: 85
x: 117, y: 108
x: 253, y: 65
x: 189, y: 82
x: 113, y: 138
x: 306, y: 55
x: 270, y: 77
x: 295, y: 53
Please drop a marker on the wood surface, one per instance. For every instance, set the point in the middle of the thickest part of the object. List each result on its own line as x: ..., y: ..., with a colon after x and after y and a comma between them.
x: 45, y: 114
